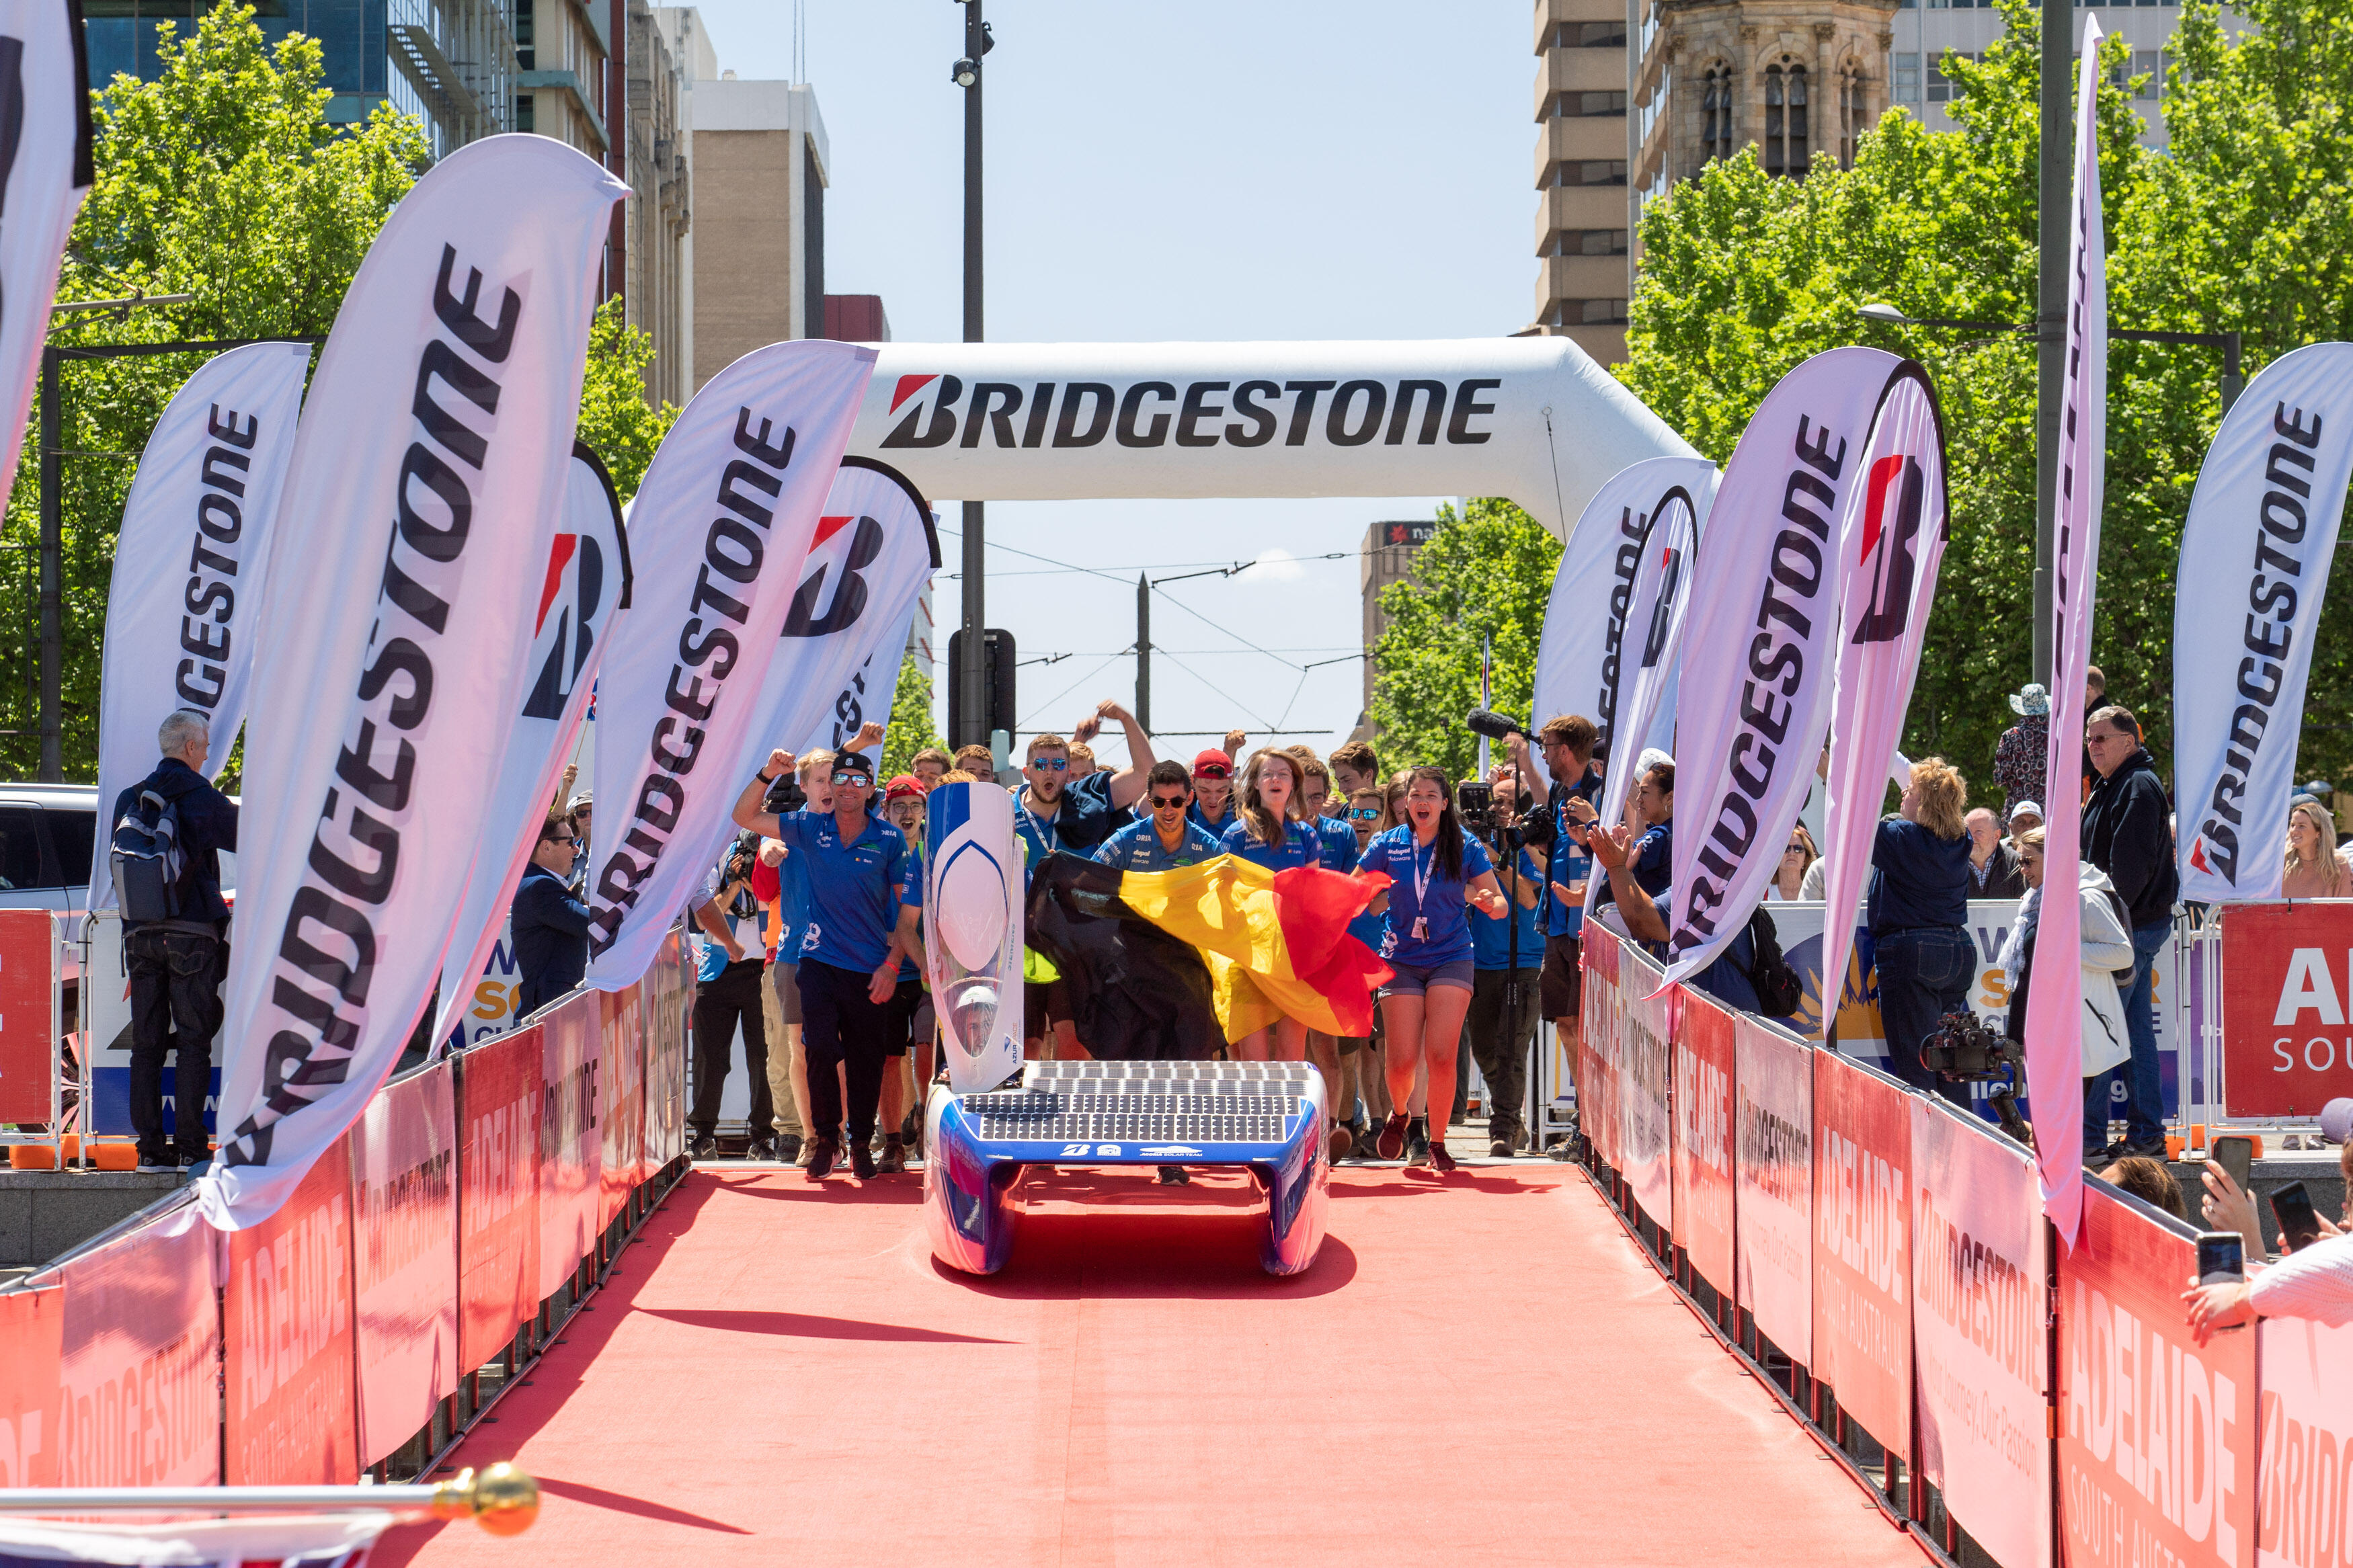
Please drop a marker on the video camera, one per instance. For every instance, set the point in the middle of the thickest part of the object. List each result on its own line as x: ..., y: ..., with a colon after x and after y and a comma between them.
x: 1474, y: 802
x: 1966, y: 1051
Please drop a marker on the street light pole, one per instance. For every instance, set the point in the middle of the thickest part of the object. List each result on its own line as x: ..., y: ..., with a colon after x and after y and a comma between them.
x: 1144, y: 653
x: 2054, y: 198
x: 972, y: 676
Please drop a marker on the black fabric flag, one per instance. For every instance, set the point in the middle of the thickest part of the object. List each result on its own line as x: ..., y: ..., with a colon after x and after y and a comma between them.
x: 1136, y: 992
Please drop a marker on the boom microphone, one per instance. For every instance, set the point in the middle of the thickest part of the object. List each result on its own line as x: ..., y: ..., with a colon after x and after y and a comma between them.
x: 1494, y: 726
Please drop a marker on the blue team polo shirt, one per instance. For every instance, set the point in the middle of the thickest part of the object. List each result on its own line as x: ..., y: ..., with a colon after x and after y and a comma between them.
x: 1339, y: 841
x: 1082, y: 818
x: 1569, y: 860
x: 1449, y: 937
x: 1301, y: 846
x: 1491, y: 940
x: 854, y: 889
x: 1137, y: 847
x: 1200, y: 819
x: 792, y: 907
x: 1652, y: 861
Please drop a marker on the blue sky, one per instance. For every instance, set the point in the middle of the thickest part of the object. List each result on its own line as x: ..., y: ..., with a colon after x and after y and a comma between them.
x: 1216, y: 170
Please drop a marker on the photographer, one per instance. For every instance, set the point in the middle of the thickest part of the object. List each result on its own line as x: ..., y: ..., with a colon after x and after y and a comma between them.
x: 728, y: 995
x: 2107, y: 947
x: 1505, y: 959
x: 1555, y: 838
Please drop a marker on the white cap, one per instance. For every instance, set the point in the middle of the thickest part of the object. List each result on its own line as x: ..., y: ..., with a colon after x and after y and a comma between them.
x: 2025, y: 806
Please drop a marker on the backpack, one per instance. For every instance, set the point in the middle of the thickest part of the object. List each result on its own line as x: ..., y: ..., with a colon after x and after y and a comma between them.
x: 1780, y: 993
x: 148, y: 859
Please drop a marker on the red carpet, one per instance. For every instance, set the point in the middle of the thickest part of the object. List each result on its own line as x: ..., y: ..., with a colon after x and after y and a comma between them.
x: 1481, y: 1371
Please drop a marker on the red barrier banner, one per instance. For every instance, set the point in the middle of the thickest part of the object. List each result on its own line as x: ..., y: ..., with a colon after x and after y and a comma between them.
x: 570, y: 1144
x: 2288, y: 1007
x: 141, y: 1359
x: 287, y: 1326
x: 670, y: 993
x: 1978, y: 1264
x: 1862, y: 1263
x: 623, y: 1133
x: 1603, y: 1020
x: 28, y: 961
x: 1773, y: 1190
x: 2304, y: 1485
x: 1705, y: 1059
x: 32, y: 1325
x: 405, y: 1255
x: 497, y: 1193
x: 1644, y: 1070
x: 2156, y: 1437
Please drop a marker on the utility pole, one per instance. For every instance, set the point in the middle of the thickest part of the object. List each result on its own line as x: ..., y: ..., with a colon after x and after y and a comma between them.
x: 2055, y: 200
x: 53, y: 646
x: 1143, y: 652
x: 973, y: 677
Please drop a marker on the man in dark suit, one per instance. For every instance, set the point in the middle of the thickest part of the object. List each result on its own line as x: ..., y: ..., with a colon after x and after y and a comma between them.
x: 176, y: 965
x: 549, y: 922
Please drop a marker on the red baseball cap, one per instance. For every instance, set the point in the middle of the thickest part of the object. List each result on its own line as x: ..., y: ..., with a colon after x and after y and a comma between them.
x: 1213, y: 764
x: 902, y: 786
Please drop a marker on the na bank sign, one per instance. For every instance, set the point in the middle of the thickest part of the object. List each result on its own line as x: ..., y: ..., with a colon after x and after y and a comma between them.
x: 1530, y: 418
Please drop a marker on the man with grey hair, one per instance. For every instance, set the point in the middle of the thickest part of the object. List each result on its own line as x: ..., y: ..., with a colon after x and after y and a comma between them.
x: 176, y: 965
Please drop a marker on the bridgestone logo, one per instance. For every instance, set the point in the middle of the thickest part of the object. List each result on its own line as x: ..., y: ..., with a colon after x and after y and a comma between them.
x: 1361, y: 413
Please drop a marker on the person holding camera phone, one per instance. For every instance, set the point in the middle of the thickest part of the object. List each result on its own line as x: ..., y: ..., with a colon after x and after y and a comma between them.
x: 2313, y: 1279
x: 1436, y: 872
x: 726, y: 996
x: 2107, y: 948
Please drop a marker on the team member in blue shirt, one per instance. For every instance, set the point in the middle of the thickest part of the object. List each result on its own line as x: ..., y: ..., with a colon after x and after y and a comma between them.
x: 1556, y: 842
x: 1645, y: 916
x: 1166, y: 839
x: 865, y: 902
x: 1505, y: 954
x: 1436, y: 870
x: 1213, y: 792
x: 1265, y: 834
x: 1360, y: 1078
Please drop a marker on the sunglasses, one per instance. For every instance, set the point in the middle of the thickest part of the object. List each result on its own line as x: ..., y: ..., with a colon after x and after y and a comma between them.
x: 1363, y: 814
x: 839, y: 779
x: 1169, y: 803
x: 1050, y: 764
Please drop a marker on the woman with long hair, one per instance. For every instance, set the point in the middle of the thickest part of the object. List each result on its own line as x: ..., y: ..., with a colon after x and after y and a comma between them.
x: 1919, y: 910
x: 1264, y: 834
x: 1788, y: 881
x: 1436, y: 870
x: 2105, y: 941
x: 2312, y: 869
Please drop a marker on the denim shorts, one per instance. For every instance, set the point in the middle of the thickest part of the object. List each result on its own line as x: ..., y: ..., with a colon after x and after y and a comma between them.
x: 1419, y: 979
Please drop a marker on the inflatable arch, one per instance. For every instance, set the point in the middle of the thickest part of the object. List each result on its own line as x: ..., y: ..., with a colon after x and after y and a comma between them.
x: 1530, y: 418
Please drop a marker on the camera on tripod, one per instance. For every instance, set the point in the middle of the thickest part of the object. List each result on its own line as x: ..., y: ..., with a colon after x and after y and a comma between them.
x: 1964, y: 1049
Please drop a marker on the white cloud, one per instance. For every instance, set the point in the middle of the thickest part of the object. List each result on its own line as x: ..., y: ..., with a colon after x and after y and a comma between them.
x: 1275, y: 566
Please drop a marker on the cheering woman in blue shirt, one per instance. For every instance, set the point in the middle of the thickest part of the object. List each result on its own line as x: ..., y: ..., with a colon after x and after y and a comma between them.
x: 1264, y: 833
x: 1436, y: 870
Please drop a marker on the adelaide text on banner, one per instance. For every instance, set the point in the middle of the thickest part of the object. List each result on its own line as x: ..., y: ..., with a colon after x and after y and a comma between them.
x: 2054, y: 1080
x: 1757, y: 682
x: 722, y: 526
x: 2269, y: 496
x: 427, y: 476
x: 182, y: 601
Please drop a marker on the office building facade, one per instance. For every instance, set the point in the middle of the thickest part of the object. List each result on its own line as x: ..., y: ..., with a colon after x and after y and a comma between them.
x: 1582, y: 228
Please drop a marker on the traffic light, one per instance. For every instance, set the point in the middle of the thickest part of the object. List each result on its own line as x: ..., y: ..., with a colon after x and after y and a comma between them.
x: 998, y: 682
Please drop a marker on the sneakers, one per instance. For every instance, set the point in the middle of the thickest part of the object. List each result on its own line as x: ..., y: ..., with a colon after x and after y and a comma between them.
x: 821, y: 1156
x: 1417, y: 1144
x: 1440, y: 1160
x: 1337, y: 1149
x: 2127, y: 1149
x: 159, y: 1165
x: 1390, y: 1146
x: 763, y: 1147
x: 702, y: 1146
x: 1500, y: 1149
x: 861, y: 1162
x: 789, y: 1148
x: 894, y: 1157
x: 1175, y: 1176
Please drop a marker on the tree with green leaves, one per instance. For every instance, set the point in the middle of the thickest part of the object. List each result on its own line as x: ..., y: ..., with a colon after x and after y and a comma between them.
x: 1485, y: 574
x: 2243, y: 223
x: 221, y: 178
x: 911, y: 720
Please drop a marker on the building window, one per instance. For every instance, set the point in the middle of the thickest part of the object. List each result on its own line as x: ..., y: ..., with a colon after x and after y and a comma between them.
x: 1597, y: 242
x: 1907, y: 79
x: 522, y: 111
x: 1598, y: 312
x: 1851, y: 99
x: 1785, y: 149
x: 2150, y: 63
x: 1594, y: 171
x: 524, y: 54
x: 1590, y: 105
x: 1589, y: 36
x: 1942, y: 89
x: 1715, y: 105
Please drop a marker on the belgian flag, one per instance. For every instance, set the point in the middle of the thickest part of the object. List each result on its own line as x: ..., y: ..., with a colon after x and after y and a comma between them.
x: 1166, y: 964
